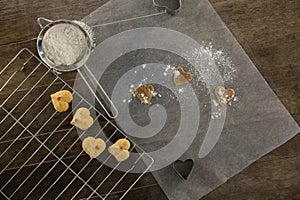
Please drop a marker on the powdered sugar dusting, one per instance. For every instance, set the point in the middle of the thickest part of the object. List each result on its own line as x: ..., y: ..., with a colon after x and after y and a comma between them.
x: 168, y: 70
x: 176, y: 73
x: 207, y: 55
x: 180, y: 90
x: 64, y: 44
x: 215, y: 103
x: 217, y: 114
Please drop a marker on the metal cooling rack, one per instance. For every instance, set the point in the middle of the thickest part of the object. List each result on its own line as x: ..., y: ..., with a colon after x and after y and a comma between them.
x: 41, y: 154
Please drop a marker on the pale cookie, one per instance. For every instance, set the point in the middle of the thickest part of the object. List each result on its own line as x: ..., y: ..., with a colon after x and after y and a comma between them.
x: 61, y: 100
x: 120, y: 149
x: 82, y: 119
x: 144, y: 93
x: 223, y: 95
x: 93, y: 147
x: 182, y: 77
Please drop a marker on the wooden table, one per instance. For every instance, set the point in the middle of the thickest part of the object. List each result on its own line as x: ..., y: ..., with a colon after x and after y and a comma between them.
x: 269, y: 31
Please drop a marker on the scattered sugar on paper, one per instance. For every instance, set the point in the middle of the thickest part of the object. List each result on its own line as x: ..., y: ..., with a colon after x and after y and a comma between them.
x: 144, y: 80
x: 176, y: 73
x: 207, y: 55
x: 217, y: 114
x: 215, y: 103
x: 168, y: 69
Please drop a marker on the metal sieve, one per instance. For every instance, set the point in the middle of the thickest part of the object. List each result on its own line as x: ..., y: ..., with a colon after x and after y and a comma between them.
x: 79, y: 65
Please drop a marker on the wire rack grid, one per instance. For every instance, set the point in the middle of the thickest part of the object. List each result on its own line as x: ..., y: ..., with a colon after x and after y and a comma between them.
x: 41, y: 154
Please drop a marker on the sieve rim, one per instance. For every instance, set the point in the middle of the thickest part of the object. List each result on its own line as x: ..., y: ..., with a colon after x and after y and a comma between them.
x: 50, y: 63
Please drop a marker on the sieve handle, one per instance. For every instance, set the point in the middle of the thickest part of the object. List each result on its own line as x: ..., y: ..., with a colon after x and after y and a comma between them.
x: 40, y: 19
x: 107, y: 99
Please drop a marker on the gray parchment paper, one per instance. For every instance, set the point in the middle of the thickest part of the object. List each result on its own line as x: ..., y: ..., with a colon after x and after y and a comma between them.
x: 136, y: 45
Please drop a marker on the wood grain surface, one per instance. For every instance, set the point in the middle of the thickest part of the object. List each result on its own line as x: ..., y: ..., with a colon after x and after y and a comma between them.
x: 268, y: 30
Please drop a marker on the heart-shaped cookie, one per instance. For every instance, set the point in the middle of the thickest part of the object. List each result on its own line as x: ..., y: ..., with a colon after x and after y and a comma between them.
x: 82, y: 119
x: 61, y: 100
x: 93, y: 147
x: 120, y: 149
x: 171, y: 7
x: 144, y: 93
x: 182, y: 77
x: 224, y: 95
x: 183, y: 168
